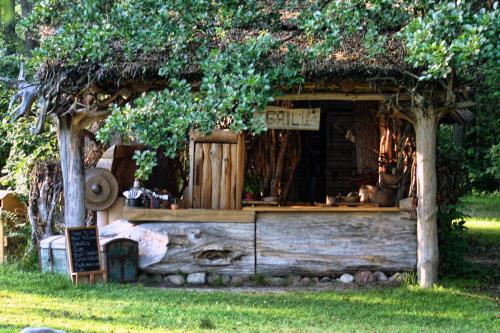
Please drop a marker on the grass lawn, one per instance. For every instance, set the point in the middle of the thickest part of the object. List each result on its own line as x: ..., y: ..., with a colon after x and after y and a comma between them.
x: 483, y: 224
x: 35, y: 299
x: 48, y: 300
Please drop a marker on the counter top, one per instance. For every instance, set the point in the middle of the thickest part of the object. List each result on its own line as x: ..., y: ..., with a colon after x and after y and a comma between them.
x: 338, y: 209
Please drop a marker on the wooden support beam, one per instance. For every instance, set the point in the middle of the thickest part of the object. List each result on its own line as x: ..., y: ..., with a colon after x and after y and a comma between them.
x: 218, y: 136
x: 341, y: 97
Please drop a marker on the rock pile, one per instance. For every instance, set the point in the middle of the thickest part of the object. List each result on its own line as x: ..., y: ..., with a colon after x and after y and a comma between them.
x: 220, y: 280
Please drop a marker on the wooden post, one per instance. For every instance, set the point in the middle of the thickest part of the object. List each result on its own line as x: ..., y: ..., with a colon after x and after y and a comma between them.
x: 426, y: 122
x: 70, y: 138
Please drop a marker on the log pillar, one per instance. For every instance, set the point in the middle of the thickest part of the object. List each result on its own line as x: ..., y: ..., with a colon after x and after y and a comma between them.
x: 427, y: 251
x: 71, y: 141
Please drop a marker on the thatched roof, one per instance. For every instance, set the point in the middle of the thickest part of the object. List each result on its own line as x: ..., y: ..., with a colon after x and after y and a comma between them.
x: 349, y: 61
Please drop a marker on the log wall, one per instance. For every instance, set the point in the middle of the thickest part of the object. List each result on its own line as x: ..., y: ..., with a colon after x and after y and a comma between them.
x: 224, y: 248
x: 297, y: 242
x: 324, y: 243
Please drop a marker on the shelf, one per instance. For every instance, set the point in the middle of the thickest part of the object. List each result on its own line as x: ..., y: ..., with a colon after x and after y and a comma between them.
x: 187, y: 215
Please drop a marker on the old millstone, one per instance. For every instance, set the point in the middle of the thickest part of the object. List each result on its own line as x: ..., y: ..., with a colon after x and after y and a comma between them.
x: 364, y: 277
x: 196, y: 278
x: 176, y: 279
x: 346, y: 278
x: 380, y: 276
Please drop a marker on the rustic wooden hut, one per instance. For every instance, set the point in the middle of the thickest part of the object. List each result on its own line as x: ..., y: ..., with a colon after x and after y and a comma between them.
x: 351, y: 116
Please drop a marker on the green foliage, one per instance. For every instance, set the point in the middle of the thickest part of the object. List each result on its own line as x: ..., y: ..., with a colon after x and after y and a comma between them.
x: 7, y: 11
x: 145, y: 161
x: 20, y: 250
x: 452, y: 241
x: 494, y: 156
x: 24, y: 149
x: 237, y: 77
x: 481, y: 156
x: 452, y: 36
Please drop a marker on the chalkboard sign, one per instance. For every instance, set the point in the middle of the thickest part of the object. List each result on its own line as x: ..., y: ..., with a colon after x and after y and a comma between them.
x: 83, y: 249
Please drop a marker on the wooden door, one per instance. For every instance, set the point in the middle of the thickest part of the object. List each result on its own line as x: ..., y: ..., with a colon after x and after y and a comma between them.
x: 216, y: 170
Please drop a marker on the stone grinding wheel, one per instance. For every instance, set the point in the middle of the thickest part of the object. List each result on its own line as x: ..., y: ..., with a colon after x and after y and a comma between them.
x: 101, y: 189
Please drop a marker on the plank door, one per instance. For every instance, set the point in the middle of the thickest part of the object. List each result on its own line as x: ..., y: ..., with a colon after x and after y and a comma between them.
x: 216, y: 170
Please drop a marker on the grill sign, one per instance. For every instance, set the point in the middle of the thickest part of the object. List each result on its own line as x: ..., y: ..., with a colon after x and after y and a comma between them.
x: 293, y: 119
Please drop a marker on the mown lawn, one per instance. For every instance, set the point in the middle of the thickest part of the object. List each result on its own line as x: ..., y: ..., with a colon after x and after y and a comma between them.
x: 35, y: 299
x: 48, y: 300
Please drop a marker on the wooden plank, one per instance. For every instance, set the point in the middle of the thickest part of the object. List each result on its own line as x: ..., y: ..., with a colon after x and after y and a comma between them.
x: 206, y: 178
x: 223, y: 248
x: 216, y: 167
x: 198, y: 176
x: 225, y: 182
x: 188, y: 197
x: 217, y: 136
x: 240, y: 176
x: 340, y: 97
x: 313, y: 209
x: 234, y: 176
x: 187, y: 215
x: 324, y: 244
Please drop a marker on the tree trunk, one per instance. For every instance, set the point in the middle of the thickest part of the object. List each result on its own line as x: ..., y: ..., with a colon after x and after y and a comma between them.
x: 71, y: 140
x: 29, y: 42
x: 9, y: 33
x: 427, y: 251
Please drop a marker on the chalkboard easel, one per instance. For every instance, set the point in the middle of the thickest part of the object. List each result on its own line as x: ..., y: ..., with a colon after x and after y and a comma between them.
x: 84, y: 255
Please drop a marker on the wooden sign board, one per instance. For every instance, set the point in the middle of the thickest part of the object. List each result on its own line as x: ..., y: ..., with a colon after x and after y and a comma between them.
x: 83, y: 250
x: 292, y: 119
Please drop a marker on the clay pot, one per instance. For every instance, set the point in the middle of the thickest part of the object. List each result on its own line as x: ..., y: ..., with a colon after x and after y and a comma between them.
x: 389, y: 179
x: 385, y: 197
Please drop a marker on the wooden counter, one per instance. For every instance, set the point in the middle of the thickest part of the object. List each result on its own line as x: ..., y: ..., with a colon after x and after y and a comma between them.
x: 304, y: 209
x: 246, y: 215
x: 187, y: 215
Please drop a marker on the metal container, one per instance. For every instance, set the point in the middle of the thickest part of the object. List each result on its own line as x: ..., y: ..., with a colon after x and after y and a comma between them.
x: 122, y: 258
x: 53, y: 257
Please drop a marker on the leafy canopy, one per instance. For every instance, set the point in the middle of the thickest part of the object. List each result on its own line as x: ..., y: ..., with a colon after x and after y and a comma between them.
x: 217, y: 54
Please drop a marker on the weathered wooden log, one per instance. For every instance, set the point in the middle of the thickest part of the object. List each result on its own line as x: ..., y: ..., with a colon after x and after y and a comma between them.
x: 224, y: 248
x: 324, y: 243
x: 428, y: 252
x: 70, y: 137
